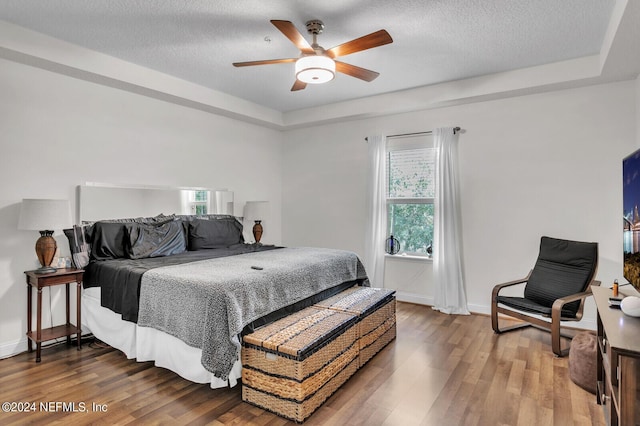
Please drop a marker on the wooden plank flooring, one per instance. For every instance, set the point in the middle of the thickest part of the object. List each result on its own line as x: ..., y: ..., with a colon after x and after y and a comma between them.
x: 441, y: 370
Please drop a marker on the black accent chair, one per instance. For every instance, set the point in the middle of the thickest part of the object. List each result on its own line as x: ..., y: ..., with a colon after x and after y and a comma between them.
x: 556, y: 288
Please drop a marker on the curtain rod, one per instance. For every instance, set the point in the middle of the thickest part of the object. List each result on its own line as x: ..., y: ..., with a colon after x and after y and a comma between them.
x: 428, y: 132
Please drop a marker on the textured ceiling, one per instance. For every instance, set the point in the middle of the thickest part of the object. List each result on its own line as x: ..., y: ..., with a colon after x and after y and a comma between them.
x: 434, y: 41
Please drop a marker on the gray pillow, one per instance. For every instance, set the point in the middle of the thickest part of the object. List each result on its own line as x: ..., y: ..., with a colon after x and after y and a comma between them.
x: 155, y: 240
x: 109, y: 239
x: 214, y: 233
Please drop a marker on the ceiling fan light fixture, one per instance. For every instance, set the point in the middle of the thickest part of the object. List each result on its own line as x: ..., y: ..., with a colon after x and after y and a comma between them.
x: 315, y: 69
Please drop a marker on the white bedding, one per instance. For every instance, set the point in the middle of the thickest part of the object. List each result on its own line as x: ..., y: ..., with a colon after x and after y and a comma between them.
x: 148, y: 344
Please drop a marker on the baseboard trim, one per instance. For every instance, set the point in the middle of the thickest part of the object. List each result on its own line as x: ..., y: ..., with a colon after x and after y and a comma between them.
x: 9, y: 349
x: 414, y: 298
x: 585, y: 324
x: 16, y: 347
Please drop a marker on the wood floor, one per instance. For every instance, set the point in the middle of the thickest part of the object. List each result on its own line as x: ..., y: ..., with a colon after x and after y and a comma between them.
x: 441, y: 370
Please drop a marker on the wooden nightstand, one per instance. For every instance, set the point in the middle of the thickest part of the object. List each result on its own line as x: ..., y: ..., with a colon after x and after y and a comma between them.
x: 39, y: 281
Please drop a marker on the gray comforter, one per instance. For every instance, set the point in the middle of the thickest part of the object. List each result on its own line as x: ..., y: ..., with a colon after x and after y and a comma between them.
x: 207, y: 303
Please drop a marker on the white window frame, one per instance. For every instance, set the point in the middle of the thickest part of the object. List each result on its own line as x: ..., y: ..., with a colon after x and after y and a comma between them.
x: 400, y: 143
x: 193, y: 204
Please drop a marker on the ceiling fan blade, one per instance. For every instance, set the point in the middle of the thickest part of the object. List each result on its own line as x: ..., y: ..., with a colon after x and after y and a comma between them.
x: 357, y: 72
x: 298, y: 85
x: 379, y: 38
x: 265, y: 62
x: 292, y: 33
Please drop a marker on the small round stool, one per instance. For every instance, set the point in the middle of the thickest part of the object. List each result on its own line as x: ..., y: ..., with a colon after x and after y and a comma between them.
x: 582, y: 361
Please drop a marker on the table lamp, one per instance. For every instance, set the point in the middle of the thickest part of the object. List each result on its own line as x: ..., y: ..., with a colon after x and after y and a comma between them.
x: 44, y: 216
x: 256, y: 211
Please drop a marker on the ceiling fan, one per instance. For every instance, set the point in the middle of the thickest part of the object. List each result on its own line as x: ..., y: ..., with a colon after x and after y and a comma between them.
x: 317, y: 65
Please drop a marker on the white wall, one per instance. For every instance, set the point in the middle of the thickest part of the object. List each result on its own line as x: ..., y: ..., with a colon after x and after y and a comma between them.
x: 638, y: 109
x: 531, y: 165
x: 544, y: 164
x: 58, y: 132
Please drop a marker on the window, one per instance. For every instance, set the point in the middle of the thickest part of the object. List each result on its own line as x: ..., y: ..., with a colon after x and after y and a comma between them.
x: 198, y: 202
x: 410, y: 192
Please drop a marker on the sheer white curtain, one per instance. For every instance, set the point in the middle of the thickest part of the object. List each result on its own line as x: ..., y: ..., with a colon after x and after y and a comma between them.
x: 376, y: 211
x: 449, y: 289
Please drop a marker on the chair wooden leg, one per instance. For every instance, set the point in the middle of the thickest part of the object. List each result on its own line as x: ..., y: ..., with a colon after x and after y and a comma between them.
x: 494, y: 317
x: 495, y: 310
x: 556, y: 343
x: 555, y: 340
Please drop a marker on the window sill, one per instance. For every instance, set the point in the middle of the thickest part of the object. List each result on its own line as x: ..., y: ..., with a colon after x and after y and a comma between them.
x: 409, y: 257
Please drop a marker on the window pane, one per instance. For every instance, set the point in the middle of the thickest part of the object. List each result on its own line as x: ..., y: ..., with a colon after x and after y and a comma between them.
x: 200, y: 196
x: 201, y: 209
x: 412, y: 226
x: 411, y: 173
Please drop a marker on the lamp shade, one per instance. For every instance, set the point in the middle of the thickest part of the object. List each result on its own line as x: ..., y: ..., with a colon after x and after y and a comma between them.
x: 256, y: 210
x: 315, y: 69
x: 43, y: 214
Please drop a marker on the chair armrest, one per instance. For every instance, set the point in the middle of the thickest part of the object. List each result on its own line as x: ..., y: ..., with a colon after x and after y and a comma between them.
x: 556, y: 308
x: 559, y: 303
x: 499, y: 287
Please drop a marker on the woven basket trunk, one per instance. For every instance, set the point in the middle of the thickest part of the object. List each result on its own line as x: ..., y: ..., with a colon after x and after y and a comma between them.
x: 375, y: 341
x: 376, y: 312
x: 291, y: 366
x: 294, y: 410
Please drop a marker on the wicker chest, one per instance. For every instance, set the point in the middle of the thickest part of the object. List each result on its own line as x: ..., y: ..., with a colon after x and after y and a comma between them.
x: 291, y: 366
x: 376, y: 312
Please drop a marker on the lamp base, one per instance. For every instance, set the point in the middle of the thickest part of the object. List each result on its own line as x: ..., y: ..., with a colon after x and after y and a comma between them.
x: 46, y: 247
x: 257, y: 231
x: 45, y: 270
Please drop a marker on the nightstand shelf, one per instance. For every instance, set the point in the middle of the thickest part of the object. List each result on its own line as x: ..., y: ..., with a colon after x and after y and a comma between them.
x: 52, y: 333
x: 40, y: 281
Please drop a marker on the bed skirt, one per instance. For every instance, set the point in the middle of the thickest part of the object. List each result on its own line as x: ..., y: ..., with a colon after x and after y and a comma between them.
x: 148, y: 344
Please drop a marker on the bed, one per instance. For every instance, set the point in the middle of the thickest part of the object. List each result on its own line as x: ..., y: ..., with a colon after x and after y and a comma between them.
x: 180, y: 290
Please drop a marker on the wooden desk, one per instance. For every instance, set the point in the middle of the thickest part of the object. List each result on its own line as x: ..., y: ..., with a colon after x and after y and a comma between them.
x: 618, y: 359
x: 40, y: 281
